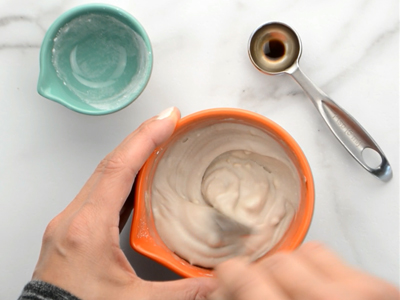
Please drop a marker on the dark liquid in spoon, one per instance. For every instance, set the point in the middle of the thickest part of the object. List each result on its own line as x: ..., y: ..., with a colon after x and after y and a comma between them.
x: 274, y: 49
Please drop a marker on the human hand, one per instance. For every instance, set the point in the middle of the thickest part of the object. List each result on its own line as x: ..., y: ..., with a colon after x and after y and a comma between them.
x: 80, y: 250
x: 311, y: 272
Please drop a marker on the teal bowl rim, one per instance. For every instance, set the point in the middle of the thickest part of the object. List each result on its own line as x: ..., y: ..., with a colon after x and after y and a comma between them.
x: 45, y: 51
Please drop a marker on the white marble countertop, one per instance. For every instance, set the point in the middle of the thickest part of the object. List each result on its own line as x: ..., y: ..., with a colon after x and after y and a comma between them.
x: 350, y: 50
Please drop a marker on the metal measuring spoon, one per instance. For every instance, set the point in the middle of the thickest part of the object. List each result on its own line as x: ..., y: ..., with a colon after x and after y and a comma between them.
x: 275, y: 48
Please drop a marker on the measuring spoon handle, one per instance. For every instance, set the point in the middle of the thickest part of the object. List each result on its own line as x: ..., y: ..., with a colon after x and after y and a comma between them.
x: 347, y: 130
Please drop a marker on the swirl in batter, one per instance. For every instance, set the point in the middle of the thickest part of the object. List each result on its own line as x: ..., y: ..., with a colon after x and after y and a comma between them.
x: 224, y: 190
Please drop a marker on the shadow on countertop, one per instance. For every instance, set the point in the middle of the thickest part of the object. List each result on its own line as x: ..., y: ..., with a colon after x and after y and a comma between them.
x: 145, y: 268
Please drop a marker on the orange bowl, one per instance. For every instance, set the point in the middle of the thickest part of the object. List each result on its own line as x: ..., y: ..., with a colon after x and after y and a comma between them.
x: 144, y: 237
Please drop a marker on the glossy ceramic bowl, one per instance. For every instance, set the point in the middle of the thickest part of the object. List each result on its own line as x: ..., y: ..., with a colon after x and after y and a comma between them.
x: 144, y: 238
x: 95, y: 59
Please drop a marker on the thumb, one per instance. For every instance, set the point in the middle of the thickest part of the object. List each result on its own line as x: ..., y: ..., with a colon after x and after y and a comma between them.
x: 111, y: 183
x: 183, y: 289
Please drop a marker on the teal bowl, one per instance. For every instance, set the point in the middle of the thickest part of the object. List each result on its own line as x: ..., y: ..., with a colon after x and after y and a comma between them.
x: 95, y: 59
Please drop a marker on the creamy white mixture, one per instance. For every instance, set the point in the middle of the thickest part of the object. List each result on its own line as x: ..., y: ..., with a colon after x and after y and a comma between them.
x: 224, y: 190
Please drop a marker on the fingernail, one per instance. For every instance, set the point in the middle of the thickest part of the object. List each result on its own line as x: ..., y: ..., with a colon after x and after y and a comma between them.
x: 165, y: 113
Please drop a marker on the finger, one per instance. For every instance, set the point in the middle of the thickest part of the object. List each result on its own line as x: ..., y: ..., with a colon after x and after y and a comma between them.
x: 94, y: 178
x: 184, y: 289
x: 331, y: 266
x: 111, y: 183
x: 324, y: 261
x: 119, y: 168
x: 239, y: 281
x: 296, y: 278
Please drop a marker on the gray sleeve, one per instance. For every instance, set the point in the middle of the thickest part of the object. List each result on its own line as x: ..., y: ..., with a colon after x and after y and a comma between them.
x: 39, y: 290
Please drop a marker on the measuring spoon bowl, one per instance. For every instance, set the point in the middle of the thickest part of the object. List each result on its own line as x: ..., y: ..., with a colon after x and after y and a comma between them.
x: 275, y: 48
